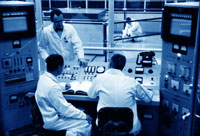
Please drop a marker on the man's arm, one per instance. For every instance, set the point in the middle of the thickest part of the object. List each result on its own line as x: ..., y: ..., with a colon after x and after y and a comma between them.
x: 42, y: 46
x: 78, y: 47
x: 92, y: 93
x: 142, y: 92
x: 125, y: 31
x: 63, y: 107
x: 133, y: 28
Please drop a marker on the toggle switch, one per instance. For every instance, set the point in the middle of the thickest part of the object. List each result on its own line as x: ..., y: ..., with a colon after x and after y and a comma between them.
x: 166, y: 81
x: 171, y: 69
x: 93, y: 69
x: 184, y: 72
x: 185, y: 113
x: 175, y: 84
x: 187, y: 89
x: 166, y: 104
x: 175, y: 110
x: 175, y: 107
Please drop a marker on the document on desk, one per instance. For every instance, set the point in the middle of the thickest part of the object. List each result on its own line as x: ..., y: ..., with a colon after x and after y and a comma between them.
x: 79, y: 88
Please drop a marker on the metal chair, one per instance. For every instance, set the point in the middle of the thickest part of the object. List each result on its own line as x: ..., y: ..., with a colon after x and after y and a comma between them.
x: 115, y: 121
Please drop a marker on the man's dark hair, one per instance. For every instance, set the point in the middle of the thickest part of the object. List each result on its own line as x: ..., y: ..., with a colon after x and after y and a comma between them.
x: 118, y: 61
x: 55, y: 11
x: 53, y: 61
x: 128, y: 19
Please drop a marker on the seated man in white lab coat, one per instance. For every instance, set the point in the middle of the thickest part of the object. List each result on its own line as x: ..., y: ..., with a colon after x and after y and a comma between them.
x: 56, y: 112
x: 115, y: 89
x: 132, y: 29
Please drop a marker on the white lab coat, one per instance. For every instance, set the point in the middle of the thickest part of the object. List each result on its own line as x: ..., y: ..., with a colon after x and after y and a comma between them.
x: 134, y: 29
x: 56, y: 112
x: 67, y: 45
x: 117, y: 90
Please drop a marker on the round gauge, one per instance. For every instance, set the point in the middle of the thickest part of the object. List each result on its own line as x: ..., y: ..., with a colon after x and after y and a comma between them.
x: 176, y: 46
x: 183, y: 48
x: 100, y: 69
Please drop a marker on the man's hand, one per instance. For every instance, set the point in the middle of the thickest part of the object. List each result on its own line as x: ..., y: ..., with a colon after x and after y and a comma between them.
x: 89, y: 119
x: 82, y: 62
x: 67, y: 86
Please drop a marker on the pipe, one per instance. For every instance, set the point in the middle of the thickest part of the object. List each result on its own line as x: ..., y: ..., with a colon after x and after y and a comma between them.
x: 195, y: 80
x: 122, y: 49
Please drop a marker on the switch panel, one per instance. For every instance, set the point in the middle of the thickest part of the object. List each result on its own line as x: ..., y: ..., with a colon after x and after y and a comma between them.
x: 184, y: 72
x: 175, y: 107
x: 185, y: 111
x: 178, y: 69
x: 171, y: 69
x: 166, y: 103
x: 187, y: 89
x: 175, y: 84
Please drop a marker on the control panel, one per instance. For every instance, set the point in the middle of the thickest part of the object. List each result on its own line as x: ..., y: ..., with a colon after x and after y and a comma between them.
x: 72, y: 71
x: 177, y: 68
x: 147, y: 76
x: 18, y: 67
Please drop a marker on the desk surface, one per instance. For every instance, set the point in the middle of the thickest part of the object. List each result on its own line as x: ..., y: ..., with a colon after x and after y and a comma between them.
x: 155, y: 101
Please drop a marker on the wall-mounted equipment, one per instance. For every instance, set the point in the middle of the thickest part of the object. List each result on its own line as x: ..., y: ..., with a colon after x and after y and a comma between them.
x: 18, y: 67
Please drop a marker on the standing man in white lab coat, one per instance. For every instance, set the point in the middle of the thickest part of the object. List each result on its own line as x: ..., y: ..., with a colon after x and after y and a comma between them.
x: 115, y: 89
x: 61, y: 38
x: 132, y: 29
x: 56, y: 112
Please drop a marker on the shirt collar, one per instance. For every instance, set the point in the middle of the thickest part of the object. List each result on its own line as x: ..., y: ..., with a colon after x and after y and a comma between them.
x: 54, y: 32
x: 114, y: 71
x: 51, y: 28
x: 51, y: 76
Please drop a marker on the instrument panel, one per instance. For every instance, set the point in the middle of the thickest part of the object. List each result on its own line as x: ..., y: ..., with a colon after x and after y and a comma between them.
x: 72, y: 71
x: 147, y: 76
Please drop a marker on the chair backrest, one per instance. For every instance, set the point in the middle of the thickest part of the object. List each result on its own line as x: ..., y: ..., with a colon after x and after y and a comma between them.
x: 119, y: 115
x: 36, y: 115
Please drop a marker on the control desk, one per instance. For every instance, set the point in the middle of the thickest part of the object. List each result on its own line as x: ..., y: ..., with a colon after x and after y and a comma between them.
x: 147, y: 76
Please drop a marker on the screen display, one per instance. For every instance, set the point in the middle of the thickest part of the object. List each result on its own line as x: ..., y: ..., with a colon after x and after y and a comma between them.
x: 15, y: 24
x: 181, y: 27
